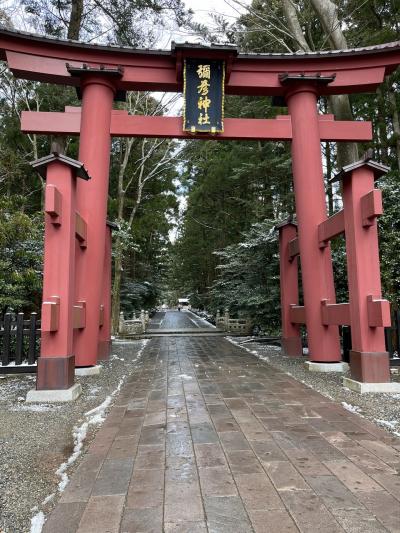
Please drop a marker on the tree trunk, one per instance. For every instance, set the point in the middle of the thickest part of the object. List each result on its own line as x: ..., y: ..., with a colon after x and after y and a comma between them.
x: 74, y: 28
x: 116, y: 292
x: 75, y: 20
x: 327, y: 13
x: 396, y: 123
x: 294, y: 25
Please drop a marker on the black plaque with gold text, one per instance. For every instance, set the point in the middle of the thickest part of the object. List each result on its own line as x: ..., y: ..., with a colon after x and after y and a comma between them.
x: 203, y: 96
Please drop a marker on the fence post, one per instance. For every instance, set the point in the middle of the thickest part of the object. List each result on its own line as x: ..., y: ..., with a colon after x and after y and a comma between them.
x: 19, y: 345
x: 6, y: 339
x: 32, y: 339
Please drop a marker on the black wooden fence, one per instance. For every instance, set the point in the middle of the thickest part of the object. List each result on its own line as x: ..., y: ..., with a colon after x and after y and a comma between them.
x: 392, y: 337
x: 19, y: 342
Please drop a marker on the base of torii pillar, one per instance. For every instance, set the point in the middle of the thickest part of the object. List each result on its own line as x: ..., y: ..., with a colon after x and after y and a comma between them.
x: 313, y: 366
x: 363, y: 388
x: 54, y: 396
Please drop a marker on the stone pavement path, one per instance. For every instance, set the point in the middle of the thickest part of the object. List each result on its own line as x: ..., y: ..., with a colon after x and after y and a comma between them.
x: 174, y: 320
x: 205, y: 437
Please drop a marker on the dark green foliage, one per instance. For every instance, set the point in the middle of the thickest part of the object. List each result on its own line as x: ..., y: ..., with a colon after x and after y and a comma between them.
x: 21, y: 256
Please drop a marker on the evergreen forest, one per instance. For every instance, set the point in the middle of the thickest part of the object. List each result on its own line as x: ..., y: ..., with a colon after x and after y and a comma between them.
x: 196, y: 218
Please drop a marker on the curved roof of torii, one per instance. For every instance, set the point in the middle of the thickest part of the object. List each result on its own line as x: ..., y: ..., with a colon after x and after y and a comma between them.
x: 35, y: 57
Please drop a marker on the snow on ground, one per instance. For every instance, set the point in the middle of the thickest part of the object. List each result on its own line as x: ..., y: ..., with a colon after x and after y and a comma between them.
x: 392, y: 425
x: 37, y: 522
x: 253, y: 352
x: 352, y: 408
x: 93, y: 417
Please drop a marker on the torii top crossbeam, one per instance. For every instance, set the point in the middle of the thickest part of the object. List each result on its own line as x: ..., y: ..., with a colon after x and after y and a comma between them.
x: 45, y: 59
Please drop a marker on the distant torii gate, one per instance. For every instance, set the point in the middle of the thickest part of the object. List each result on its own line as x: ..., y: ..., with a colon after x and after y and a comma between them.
x: 102, y: 74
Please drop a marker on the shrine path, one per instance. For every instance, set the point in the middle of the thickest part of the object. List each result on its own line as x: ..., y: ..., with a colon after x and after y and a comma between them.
x: 206, y: 437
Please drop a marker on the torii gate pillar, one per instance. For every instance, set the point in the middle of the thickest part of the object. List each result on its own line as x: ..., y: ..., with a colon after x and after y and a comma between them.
x: 56, y: 364
x: 316, y: 263
x: 94, y: 150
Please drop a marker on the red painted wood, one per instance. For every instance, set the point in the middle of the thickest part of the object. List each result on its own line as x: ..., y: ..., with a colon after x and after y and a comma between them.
x: 92, y: 195
x: 335, y: 314
x: 371, y: 206
x: 316, y: 263
x: 289, y: 282
x: 363, y: 268
x: 124, y: 125
x: 297, y: 314
x: 330, y: 228
x: 45, y: 60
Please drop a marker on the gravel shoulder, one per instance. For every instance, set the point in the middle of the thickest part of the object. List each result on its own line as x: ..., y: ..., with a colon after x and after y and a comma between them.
x: 382, y: 409
x: 35, y: 439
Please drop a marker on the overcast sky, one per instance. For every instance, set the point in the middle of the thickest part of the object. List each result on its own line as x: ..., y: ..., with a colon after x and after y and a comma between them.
x: 202, y: 10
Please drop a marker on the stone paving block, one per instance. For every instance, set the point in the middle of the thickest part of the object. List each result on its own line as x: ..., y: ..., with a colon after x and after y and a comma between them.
x: 390, y: 482
x: 183, y: 502
x: 217, y: 481
x: 226, y: 514
x: 333, y: 493
x: 149, y: 457
x: 385, y: 508
x: 203, y: 433
x: 113, y: 478
x: 65, y: 518
x: 273, y: 521
x: 367, y: 461
x: 152, y: 435
x: 285, y: 477
x: 102, y: 513
x: 226, y: 424
x: 268, y: 451
x: 146, y: 489
x: 386, y: 453
x: 358, y: 521
x: 234, y: 441
x: 307, y: 464
x: 352, y: 477
x: 80, y: 486
x: 147, y: 520
x: 308, y: 512
x: 254, y: 431
x: 257, y: 492
x: 185, y: 470
x: 208, y: 455
x: 244, y: 462
x: 123, y: 448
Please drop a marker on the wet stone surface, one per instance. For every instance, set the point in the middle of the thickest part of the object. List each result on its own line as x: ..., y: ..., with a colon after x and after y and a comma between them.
x: 206, y: 437
x: 35, y: 439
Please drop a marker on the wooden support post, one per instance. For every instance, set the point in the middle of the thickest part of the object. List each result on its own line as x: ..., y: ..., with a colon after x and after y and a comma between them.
x: 56, y: 365
x: 369, y: 313
x: 291, y: 340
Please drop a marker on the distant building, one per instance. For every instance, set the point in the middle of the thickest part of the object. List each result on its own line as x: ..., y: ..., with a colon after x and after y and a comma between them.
x: 183, y: 303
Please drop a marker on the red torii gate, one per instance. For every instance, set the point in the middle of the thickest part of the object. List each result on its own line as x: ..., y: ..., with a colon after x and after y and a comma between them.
x: 102, y: 74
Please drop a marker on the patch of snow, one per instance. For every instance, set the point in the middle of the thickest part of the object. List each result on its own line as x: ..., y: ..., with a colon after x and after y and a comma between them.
x: 352, y: 408
x: 115, y: 356
x: 24, y: 363
x: 36, y: 408
x: 93, y: 417
x: 48, y: 498
x: 273, y: 347
x: 185, y: 376
x: 253, y: 352
x: 37, y: 522
x: 390, y: 424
